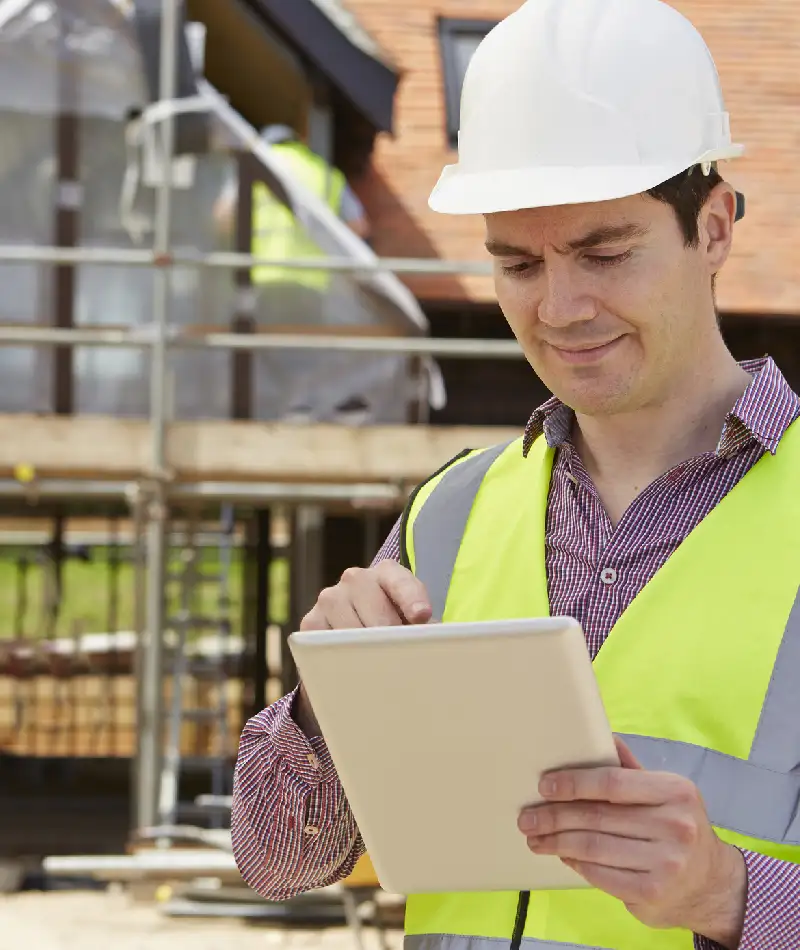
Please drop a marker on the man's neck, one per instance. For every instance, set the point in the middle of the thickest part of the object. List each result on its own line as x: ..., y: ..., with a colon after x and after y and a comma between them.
x: 624, y: 453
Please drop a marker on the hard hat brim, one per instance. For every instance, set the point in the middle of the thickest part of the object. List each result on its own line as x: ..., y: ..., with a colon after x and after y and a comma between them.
x: 462, y: 192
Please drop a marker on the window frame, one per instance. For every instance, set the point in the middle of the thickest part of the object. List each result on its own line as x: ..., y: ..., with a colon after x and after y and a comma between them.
x: 449, y: 28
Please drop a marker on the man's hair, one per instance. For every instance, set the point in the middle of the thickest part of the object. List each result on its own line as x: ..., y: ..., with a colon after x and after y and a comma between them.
x: 686, y: 194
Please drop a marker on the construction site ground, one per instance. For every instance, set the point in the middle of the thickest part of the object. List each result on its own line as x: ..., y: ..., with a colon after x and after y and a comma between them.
x: 98, y: 920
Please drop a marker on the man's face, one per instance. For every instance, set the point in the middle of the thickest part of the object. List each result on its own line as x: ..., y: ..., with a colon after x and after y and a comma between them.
x: 609, y: 305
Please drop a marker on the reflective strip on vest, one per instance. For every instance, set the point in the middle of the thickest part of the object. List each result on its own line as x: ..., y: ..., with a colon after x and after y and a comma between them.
x: 757, y: 797
x: 440, y: 525
x: 738, y: 794
x: 454, y: 942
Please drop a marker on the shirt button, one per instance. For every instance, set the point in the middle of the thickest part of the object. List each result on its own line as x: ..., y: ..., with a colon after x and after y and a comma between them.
x: 311, y: 830
x: 313, y: 761
x: 608, y: 576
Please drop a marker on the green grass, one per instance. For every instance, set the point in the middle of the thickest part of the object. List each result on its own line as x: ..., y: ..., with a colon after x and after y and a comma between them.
x: 89, y: 590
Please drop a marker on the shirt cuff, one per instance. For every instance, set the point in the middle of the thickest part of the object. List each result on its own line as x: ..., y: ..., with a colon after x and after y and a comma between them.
x: 772, y: 914
x: 307, y: 760
x: 772, y: 918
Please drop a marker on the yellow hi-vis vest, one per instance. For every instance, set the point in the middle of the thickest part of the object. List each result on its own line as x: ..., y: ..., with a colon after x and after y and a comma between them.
x: 277, y: 234
x: 701, y: 674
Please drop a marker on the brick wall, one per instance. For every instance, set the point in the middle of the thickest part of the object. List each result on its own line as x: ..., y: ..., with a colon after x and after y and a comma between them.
x: 756, y: 44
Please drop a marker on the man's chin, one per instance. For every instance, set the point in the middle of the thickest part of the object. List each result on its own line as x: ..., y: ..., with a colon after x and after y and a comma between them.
x: 596, y: 400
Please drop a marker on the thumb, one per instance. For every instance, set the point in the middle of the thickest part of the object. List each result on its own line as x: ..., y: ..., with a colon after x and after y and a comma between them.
x: 626, y: 758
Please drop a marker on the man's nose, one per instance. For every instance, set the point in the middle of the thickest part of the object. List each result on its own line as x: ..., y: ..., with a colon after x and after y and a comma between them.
x: 564, y: 297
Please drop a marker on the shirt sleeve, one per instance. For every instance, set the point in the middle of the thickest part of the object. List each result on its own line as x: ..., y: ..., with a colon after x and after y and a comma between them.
x: 772, y: 917
x: 390, y: 550
x: 291, y: 825
x: 350, y: 208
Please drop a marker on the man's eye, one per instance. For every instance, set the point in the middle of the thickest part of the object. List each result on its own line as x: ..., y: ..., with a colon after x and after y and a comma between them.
x: 518, y: 270
x: 609, y: 260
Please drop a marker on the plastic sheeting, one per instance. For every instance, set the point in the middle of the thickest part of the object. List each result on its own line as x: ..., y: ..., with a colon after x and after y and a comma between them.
x: 90, y: 42
x: 26, y: 195
x: 106, y: 80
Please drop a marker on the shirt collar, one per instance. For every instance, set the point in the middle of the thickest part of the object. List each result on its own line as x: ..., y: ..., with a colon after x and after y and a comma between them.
x: 762, y: 414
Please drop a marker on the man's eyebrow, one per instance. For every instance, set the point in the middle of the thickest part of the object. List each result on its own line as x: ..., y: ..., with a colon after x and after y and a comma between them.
x: 609, y: 234
x: 499, y: 249
x: 612, y: 234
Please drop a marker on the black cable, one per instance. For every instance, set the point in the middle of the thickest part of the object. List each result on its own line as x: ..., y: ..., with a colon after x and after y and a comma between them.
x: 522, y: 917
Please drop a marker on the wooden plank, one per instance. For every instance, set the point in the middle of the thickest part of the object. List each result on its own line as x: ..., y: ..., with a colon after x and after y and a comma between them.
x: 56, y: 447
x: 104, y: 447
x: 87, y: 715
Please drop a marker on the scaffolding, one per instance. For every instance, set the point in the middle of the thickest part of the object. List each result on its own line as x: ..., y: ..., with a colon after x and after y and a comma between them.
x: 155, y: 492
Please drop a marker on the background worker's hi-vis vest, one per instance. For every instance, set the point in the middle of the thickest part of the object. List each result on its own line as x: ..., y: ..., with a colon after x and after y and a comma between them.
x: 276, y: 232
x: 701, y: 673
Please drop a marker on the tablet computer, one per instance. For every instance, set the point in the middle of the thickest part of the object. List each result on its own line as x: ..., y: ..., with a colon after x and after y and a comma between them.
x: 440, y: 734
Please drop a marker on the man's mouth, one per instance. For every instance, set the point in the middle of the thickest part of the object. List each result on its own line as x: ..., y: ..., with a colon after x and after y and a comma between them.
x: 585, y: 352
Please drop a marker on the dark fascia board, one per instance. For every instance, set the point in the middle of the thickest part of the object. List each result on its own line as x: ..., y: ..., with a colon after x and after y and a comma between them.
x: 367, y: 83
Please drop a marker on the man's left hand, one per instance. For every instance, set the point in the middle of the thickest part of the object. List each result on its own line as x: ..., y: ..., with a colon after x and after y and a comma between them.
x: 643, y: 837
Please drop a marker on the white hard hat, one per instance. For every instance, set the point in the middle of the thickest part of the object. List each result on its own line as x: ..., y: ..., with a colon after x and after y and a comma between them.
x: 573, y: 101
x: 278, y: 134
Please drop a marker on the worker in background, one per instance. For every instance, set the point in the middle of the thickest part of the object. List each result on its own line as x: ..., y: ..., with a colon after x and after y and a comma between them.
x: 291, y: 297
x: 318, y: 176
x: 276, y: 232
x: 653, y: 498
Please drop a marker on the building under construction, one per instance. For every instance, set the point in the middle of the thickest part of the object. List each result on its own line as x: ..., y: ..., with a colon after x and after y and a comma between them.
x: 188, y: 455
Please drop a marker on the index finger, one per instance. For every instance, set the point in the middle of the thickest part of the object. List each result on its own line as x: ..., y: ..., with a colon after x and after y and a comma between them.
x: 405, y: 591
x: 613, y: 784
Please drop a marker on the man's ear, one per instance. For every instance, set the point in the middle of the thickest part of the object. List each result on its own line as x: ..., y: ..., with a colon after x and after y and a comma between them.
x: 716, y: 225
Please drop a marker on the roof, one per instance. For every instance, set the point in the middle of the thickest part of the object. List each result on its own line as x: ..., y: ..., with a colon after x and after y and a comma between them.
x: 754, y: 43
x: 346, y: 22
x: 339, y: 46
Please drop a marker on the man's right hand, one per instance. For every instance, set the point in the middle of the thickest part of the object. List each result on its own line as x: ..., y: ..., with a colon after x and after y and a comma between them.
x: 386, y: 595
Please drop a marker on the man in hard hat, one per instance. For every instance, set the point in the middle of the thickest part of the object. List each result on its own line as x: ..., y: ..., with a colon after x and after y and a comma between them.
x: 293, y: 295
x: 653, y: 498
